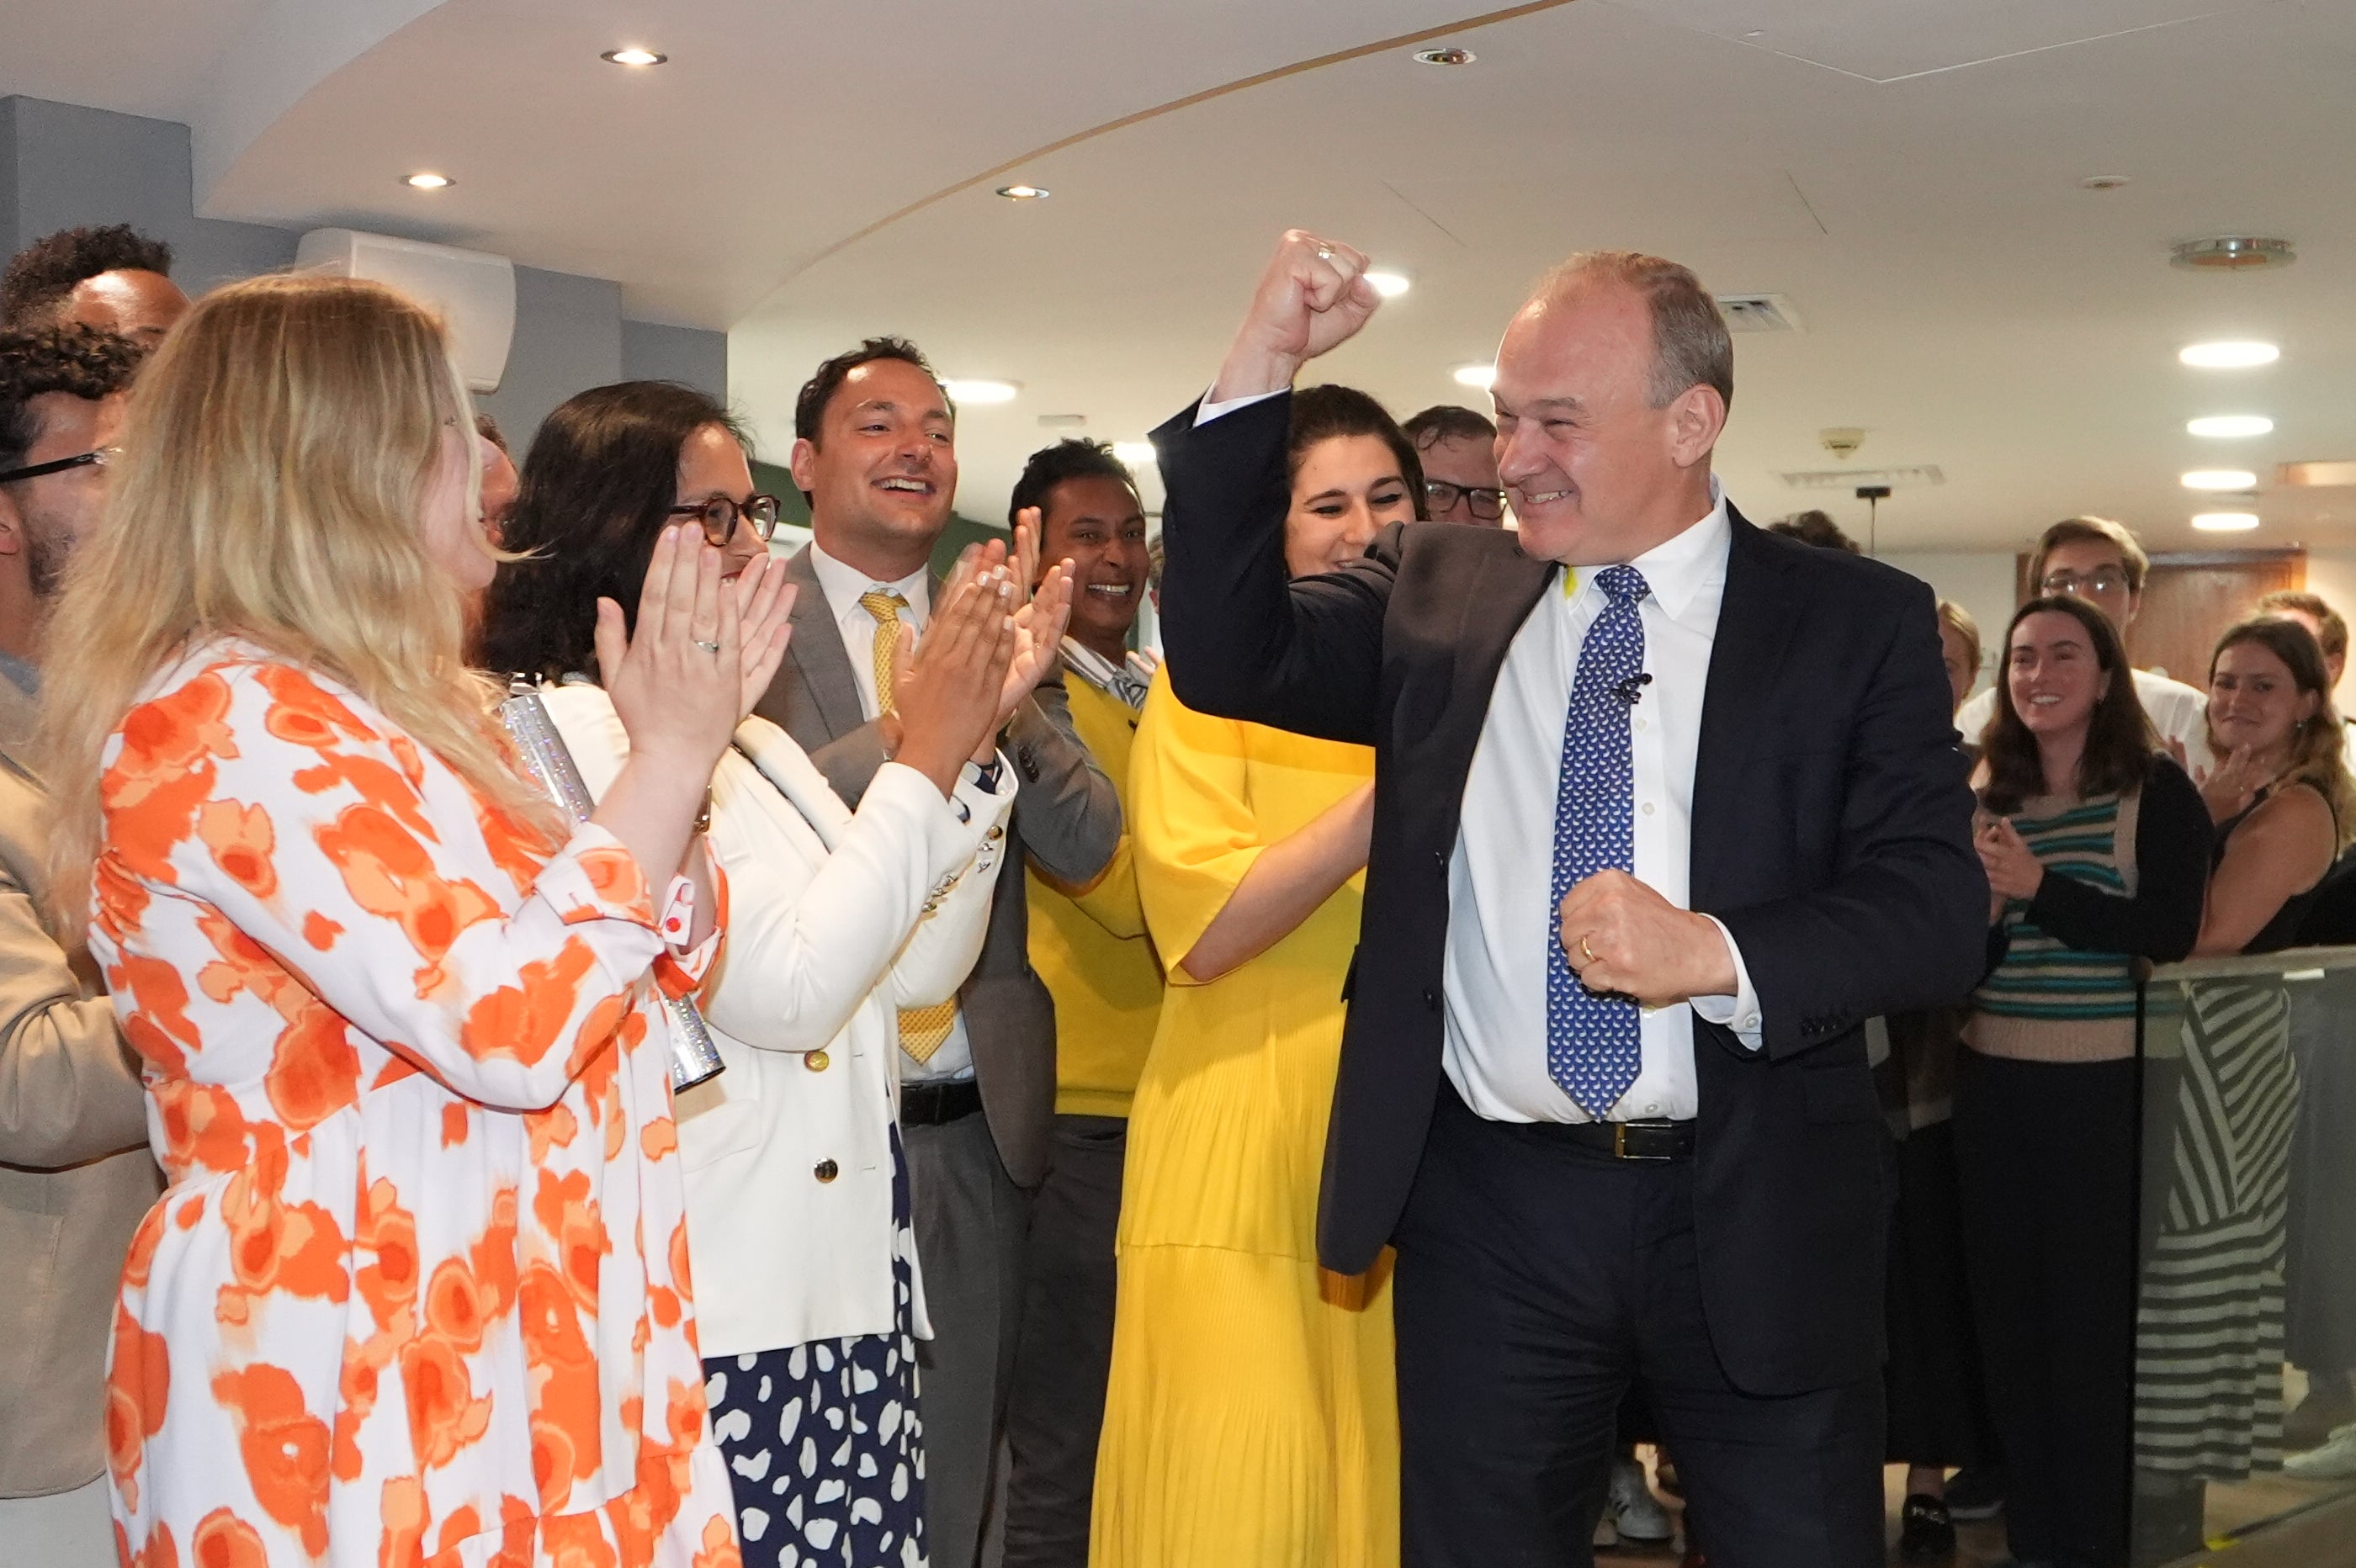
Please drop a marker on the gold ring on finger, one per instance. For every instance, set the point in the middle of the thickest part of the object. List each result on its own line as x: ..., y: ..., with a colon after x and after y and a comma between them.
x: 1586, y: 949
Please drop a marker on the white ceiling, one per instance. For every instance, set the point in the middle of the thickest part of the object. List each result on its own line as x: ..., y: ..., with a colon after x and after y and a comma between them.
x: 1905, y: 171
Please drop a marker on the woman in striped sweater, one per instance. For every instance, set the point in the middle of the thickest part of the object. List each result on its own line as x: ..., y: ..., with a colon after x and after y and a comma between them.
x: 2096, y: 846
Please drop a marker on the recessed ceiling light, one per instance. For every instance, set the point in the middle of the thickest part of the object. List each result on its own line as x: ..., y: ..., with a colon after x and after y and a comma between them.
x: 1390, y: 285
x: 2231, y: 253
x: 1476, y: 375
x: 2220, y: 479
x: 2225, y: 522
x: 1445, y: 57
x: 2236, y: 356
x: 2228, y: 426
x: 634, y: 56
x: 423, y: 180
x: 1021, y: 192
x: 981, y: 391
x: 1135, y: 452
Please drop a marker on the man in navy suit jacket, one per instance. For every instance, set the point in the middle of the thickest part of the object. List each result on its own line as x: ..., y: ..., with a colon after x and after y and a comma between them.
x: 1665, y: 809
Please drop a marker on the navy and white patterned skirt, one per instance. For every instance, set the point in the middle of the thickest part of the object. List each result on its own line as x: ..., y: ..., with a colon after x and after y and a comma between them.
x: 823, y: 1442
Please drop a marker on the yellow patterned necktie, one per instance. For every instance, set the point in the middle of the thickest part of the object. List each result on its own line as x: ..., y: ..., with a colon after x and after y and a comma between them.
x: 923, y: 1030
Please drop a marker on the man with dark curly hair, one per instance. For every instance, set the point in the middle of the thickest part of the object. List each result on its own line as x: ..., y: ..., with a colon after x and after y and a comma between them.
x: 112, y: 278
x: 75, y: 1174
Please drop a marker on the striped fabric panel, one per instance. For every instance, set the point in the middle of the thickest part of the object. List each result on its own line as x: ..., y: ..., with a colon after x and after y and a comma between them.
x: 2209, y: 1323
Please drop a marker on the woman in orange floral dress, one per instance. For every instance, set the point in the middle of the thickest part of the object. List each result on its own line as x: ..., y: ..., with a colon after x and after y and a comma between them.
x: 417, y: 1292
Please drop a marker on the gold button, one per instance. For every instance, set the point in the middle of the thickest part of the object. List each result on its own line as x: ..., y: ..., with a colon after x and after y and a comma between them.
x: 817, y: 1061
x: 826, y: 1171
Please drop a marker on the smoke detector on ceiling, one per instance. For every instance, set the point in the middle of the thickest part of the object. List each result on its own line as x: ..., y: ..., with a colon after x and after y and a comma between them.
x: 2231, y: 253
x: 1758, y: 312
x: 1841, y: 440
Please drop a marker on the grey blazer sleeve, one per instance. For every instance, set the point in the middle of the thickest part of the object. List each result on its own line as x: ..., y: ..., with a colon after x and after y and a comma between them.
x: 1064, y: 807
x: 850, y: 760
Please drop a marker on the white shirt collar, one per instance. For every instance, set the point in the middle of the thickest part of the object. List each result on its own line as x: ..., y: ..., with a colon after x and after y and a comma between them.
x: 843, y: 584
x: 1681, y: 566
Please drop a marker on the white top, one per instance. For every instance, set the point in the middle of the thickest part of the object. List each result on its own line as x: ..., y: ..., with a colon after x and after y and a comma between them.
x: 1501, y: 917
x: 2180, y: 713
x: 843, y: 585
x: 834, y: 922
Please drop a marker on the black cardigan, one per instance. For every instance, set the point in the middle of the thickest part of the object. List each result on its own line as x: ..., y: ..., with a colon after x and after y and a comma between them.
x: 2162, y: 921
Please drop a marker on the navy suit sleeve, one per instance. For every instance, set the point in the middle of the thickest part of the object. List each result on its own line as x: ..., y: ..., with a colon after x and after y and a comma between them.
x: 1241, y: 641
x: 1902, y: 922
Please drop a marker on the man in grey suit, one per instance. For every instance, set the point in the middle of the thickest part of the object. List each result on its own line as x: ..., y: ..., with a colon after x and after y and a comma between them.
x: 875, y: 450
x: 75, y: 1174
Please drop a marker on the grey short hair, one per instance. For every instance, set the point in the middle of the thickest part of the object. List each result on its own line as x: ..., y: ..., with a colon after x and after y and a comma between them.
x: 1690, y: 344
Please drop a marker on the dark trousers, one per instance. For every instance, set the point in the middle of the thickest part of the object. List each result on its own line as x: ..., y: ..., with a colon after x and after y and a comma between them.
x: 969, y: 1219
x: 1536, y: 1281
x: 2045, y: 1153
x: 1057, y: 1410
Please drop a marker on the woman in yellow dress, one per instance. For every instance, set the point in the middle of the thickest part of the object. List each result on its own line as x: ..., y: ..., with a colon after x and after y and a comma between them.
x: 1250, y: 1421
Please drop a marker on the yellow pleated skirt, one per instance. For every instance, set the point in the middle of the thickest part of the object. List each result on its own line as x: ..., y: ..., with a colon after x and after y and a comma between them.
x: 1251, y: 1418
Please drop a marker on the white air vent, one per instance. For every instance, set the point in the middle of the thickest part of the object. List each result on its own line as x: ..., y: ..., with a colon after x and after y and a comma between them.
x: 474, y: 291
x: 1063, y: 422
x: 1850, y: 479
x: 1758, y: 312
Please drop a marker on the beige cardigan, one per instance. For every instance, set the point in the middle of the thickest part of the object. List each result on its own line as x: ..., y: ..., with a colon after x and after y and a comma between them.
x: 75, y: 1174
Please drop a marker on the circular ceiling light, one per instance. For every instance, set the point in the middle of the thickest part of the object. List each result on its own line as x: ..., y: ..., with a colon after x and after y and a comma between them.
x: 981, y: 391
x: 2220, y: 479
x: 2231, y: 253
x: 426, y: 180
x: 1476, y: 375
x: 1135, y: 452
x: 1390, y: 285
x: 1021, y: 192
x: 633, y: 56
x: 2229, y: 427
x: 2225, y: 522
x: 2238, y: 356
x: 1445, y: 57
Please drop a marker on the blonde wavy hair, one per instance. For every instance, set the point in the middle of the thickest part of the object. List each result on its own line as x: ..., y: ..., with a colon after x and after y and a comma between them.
x: 276, y: 455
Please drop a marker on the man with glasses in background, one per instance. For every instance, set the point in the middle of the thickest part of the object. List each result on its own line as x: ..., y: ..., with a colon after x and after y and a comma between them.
x: 75, y: 1174
x: 2100, y: 561
x: 1459, y: 451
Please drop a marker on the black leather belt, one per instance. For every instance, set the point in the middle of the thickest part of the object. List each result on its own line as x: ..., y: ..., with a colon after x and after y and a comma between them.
x: 933, y: 1105
x: 1633, y: 1140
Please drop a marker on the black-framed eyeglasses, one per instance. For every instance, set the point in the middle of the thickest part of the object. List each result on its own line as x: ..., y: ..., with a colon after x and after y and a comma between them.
x: 104, y: 457
x: 719, y: 517
x: 1487, y: 502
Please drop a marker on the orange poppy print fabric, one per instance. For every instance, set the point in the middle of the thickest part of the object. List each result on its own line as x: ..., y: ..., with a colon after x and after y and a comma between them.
x: 416, y: 1295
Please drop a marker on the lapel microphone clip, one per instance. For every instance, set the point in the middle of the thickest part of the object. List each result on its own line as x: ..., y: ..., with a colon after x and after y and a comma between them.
x: 1630, y: 689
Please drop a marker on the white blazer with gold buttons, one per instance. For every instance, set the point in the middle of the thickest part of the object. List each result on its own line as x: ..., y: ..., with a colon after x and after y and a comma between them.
x: 836, y: 920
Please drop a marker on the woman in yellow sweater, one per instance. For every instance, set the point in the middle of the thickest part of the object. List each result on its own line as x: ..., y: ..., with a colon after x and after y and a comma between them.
x: 1251, y: 1417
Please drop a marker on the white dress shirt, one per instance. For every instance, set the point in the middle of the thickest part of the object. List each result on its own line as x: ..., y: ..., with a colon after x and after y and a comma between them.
x: 843, y: 585
x: 2180, y: 713
x: 1501, y: 914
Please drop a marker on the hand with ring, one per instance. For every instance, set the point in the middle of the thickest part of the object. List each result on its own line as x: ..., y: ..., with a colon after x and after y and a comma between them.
x: 1634, y: 943
x: 1313, y: 297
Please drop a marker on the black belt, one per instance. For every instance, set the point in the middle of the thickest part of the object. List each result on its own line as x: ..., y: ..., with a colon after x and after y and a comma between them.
x: 1633, y: 1140
x: 933, y: 1105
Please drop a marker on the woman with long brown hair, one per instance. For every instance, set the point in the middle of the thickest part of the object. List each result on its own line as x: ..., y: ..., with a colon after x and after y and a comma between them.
x: 2209, y: 1379
x: 2096, y: 847
x: 416, y: 1290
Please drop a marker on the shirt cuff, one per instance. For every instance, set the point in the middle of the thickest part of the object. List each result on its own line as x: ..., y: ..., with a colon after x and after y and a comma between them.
x: 1739, y: 1012
x: 1209, y: 410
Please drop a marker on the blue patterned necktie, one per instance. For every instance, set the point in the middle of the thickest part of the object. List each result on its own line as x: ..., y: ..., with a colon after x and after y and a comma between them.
x: 1594, y: 1043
